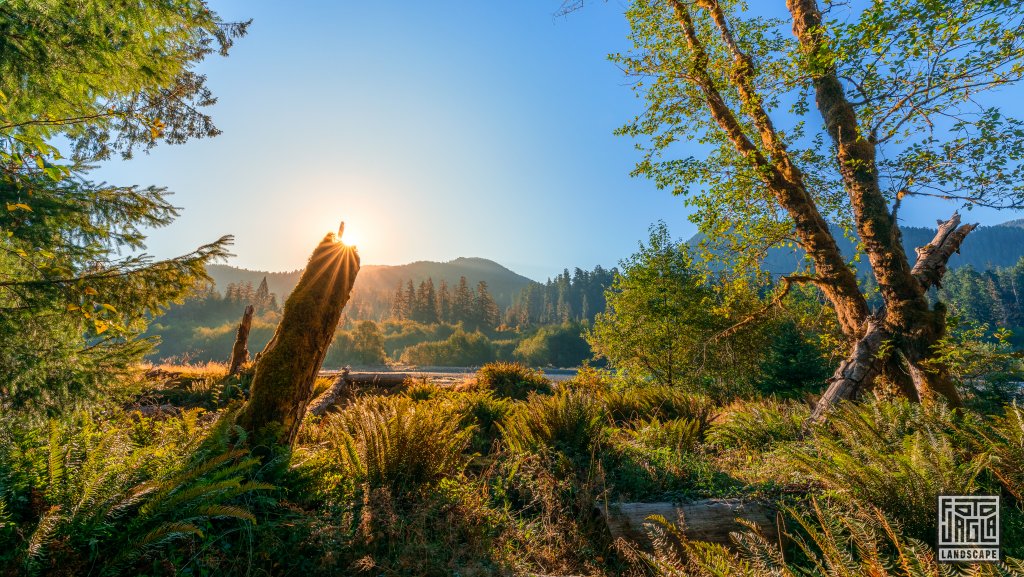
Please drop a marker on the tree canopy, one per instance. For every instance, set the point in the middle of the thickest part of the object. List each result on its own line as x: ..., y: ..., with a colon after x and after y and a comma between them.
x: 79, y: 81
x: 858, y: 109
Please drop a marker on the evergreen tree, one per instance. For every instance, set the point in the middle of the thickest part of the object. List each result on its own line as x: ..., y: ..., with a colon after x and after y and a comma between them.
x: 262, y: 298
x: 399, y: 306
x: 410, y: 301
x: 462, y: 303
x: 76, y: 293
x: 485, y: 311
x: 430, y: 313
x: 444, y: 303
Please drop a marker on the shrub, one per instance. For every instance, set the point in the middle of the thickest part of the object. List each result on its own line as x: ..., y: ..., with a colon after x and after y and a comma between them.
x: 652, y: 460
x: 421, y: 390
x: 591, y: 380
x: 759, y: 425
x: 568, y: 421
x: 398, y: 444
x: 557, y: 345
x: 660, y: 402
x: 512, y: 380
x: 458, y: 350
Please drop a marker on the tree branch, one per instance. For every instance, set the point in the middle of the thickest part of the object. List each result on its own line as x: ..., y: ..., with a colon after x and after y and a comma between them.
x: 782, y: 178
x: 933, y: 257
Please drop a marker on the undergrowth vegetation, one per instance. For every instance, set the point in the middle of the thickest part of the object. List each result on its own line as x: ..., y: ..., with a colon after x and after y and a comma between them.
x: 499, y: 475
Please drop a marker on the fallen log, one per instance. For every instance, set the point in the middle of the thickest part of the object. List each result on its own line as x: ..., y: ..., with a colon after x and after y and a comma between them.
x: 708, y: 520
x: 341, y: 389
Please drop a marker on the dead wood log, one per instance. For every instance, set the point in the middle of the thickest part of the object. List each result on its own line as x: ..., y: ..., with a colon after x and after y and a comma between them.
x: 284, y: 374
x: 341, y: 389
x: 710, y: 520
x: 240, y: 352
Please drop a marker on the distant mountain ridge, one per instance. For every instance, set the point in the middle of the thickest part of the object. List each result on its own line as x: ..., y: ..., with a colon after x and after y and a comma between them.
x: 986, y: 247
x: 503, y: 284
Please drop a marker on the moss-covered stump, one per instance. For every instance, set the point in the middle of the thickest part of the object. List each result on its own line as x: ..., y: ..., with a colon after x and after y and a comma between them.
x: 285, y: 371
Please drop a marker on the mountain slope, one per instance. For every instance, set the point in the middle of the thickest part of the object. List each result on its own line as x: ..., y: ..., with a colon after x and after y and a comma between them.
x: 986, y: 247
x: 502, y: 283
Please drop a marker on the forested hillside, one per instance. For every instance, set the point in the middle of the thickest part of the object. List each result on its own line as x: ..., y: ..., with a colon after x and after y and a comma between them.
x: 990, y: 246
x: 377, y: 280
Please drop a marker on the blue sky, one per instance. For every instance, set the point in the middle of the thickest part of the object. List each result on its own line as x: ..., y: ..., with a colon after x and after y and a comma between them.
x: 435, y: 129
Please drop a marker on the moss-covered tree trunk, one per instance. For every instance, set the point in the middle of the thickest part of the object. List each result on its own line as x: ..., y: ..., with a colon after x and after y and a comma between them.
x: 282, y: 383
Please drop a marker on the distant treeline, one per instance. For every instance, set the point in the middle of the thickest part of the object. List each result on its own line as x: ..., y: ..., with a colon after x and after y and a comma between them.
x: 994, y: 297
x: 565, y: 298
x: 425, y: 304
x: 569, y: 297
x: 424, y: 324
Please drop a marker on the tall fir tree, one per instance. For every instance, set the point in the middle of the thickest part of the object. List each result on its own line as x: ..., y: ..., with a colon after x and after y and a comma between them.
x: 462, y: 303
x: 444, y: 303
x: 485, y: 311
x: 78, y: 81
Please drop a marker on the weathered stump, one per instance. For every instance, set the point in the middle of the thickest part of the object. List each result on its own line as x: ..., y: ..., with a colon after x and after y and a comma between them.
x: 240, y: 352
x: 708, y: 520
x: 285, y: 371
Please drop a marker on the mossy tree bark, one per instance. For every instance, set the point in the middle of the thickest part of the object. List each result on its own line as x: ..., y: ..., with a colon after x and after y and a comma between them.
x: 285, y: 371
x: 908, y: 323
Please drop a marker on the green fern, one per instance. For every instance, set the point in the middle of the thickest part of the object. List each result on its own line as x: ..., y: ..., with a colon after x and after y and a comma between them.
x: 569, y: 421
x: 1003, y: 439
x: 830, y: 541
x: 112, y: 500
x: 660, y: 402
x: 759, y: 425
x: 398, y: 443
x: 893, y: 455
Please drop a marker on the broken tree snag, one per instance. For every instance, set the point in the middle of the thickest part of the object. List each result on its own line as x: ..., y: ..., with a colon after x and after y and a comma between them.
x: 933, y: 257
x: 710, y: 520
x: 285, y: 371
x: 240, y: 352
x: 856, y: 373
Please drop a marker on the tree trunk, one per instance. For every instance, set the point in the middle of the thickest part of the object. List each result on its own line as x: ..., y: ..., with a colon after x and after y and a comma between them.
x: 709, y: 520
x: 915, y: 327
x: 909, y: 326
x: 240, y: 352
x: 287, y: 368
x: 856, y: 373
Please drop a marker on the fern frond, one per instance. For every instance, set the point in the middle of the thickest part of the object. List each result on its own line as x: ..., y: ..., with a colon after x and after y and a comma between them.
x: 221, y: 511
